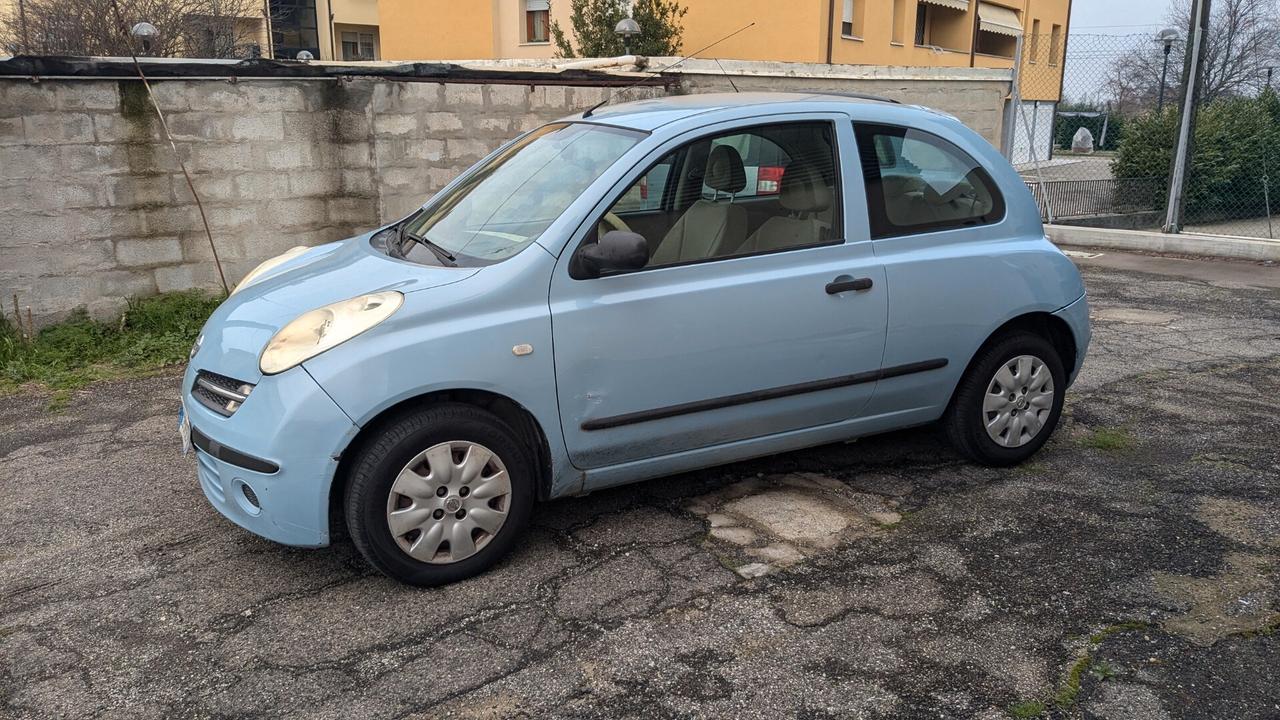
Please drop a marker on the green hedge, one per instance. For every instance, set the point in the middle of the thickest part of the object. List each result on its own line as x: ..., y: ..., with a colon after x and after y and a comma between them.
x: 1235, y: 140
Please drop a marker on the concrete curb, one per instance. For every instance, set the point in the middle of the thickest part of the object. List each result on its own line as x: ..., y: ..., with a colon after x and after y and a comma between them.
x: 1181, y: 244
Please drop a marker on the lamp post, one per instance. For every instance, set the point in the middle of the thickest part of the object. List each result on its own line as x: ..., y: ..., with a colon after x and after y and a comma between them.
x: 144, y: 31
x: 626, y: 28
x: 1168, y: 37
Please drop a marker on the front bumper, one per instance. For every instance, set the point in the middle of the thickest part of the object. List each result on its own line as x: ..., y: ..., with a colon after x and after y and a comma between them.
x: 288, y: 422
x: 1076, y: 316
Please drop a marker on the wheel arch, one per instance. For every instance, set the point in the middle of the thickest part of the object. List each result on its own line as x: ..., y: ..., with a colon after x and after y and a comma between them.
x: 517, y: 417
x: 1045, y: 324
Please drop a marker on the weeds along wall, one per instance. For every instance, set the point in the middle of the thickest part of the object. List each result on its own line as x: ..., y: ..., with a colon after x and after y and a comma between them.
x: 94, y: 208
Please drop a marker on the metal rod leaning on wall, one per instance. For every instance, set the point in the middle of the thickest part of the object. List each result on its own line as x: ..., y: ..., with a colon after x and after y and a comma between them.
x: 164, y: 127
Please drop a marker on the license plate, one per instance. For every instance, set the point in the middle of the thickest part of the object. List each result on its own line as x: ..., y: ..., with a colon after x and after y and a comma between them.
x: 184, y: 430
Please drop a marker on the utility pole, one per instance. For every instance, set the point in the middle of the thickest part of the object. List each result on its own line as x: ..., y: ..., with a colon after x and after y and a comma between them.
x: 1193, y: 75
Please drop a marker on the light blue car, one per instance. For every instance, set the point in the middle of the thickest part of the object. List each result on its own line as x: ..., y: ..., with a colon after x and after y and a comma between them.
x: 541, y: 328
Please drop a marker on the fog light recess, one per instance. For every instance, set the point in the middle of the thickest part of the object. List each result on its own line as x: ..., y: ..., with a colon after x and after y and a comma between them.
x: 247, y: 498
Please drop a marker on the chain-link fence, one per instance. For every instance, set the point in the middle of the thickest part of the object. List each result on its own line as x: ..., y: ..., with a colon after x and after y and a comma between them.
x: 1095, y: 127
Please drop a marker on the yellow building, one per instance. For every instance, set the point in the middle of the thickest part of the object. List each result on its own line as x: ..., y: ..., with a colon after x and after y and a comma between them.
x: 947, y: 33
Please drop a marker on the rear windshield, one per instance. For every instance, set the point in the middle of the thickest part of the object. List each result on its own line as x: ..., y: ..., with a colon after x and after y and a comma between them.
x: 510, y: 199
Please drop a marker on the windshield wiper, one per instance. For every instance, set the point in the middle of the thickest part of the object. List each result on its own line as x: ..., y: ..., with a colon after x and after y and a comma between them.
x: 444, y: 256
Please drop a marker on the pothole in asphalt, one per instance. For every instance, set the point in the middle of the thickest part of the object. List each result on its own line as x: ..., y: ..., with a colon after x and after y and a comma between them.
x: 764, y: 524
x: 1238, y: 600
x: 1134, y: 316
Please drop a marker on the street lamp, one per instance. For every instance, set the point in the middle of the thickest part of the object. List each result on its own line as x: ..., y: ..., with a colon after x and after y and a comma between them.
x: 1168, y: 37
x: 305, y: 56
x: 144, y: 31
x: 626, y: 28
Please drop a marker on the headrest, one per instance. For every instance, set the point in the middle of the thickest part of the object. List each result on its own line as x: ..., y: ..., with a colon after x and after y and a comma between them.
x: 803, y: 189
x: 724, y: 170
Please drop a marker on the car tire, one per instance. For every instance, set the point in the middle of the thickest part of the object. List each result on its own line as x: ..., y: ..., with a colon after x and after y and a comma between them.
x: 426, y: 475
x: 998, y: 397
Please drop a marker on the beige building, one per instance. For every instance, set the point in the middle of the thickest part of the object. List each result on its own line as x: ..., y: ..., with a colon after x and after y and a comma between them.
x: 914, y: 33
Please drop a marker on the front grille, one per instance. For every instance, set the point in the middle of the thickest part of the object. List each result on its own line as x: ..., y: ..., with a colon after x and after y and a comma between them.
x: 220, y: 393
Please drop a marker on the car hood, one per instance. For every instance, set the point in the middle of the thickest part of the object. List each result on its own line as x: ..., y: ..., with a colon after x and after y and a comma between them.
x: 240, y: 328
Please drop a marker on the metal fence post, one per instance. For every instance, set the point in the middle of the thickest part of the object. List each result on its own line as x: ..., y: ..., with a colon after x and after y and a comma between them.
x: 1015, y: 100
x: 1178, y: 178
x: 1266, y: 192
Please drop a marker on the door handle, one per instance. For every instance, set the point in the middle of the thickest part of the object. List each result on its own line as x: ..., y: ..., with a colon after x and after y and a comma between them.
x: 844, y: 283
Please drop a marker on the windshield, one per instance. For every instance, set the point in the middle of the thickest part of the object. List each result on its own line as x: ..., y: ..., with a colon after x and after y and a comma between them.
x: 511, y: 199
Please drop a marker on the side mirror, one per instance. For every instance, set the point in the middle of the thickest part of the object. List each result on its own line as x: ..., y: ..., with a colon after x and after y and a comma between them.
x: 617, y: 250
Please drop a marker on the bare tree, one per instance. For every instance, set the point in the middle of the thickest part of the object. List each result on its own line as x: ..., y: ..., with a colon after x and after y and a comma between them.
x: 1244, y: 40
x: 187, y: 28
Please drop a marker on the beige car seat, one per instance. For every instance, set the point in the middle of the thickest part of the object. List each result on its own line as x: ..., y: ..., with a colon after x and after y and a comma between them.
x: 806, y: 198
x: 709, y: 228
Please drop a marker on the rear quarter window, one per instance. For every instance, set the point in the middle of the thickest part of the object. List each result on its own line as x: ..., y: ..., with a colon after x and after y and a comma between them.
x: 918, y: 182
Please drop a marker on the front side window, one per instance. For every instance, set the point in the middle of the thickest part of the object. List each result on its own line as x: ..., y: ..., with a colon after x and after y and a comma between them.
x: 758, y: 190
x: 507, y: 202
x: 917, y: 182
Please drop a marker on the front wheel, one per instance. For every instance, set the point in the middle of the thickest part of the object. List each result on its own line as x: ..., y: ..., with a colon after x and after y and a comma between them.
x: 440, y: 495
x: 1009, y: 401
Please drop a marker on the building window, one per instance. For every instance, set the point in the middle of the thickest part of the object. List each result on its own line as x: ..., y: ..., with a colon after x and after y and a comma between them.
x: 1055, y: 44
x: 899, y: 21
x: 945, y: 24
x: 537, y: 21
x: 293, y: 28
x: 998, y: 30
x: 358, y: 46
x: 1035, y: 40
x: 846, y: 19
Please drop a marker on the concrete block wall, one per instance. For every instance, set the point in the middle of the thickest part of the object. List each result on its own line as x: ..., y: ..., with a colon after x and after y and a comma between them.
x: 94, y: 209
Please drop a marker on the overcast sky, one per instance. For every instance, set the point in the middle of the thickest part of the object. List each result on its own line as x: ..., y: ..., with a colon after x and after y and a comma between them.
x: 1117, y: 17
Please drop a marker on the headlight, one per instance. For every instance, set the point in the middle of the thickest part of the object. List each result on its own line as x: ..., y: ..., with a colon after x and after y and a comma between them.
x: 268, y: 265
x: 312, y: 333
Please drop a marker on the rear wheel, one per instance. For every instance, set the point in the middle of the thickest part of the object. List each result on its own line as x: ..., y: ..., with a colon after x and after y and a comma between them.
x: 440, y: 496
x: 1009, y: 401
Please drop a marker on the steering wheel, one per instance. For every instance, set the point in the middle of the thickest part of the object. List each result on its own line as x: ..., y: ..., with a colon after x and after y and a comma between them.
x: 611, y: 221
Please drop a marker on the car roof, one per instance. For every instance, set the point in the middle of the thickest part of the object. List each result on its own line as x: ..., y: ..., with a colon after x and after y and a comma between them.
x: 652, y: 113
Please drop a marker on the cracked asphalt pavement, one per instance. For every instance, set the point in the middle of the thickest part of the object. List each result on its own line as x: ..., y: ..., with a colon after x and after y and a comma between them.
x: 1128, y: 571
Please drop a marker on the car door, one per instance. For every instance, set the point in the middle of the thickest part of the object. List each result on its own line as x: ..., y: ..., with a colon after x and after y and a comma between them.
x: 783, y: 332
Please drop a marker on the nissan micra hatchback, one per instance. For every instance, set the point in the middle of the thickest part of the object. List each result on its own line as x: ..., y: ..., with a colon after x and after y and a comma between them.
x: 618, y: 296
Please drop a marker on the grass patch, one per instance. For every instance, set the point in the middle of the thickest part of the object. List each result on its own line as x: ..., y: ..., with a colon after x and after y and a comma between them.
x: 1031, y: 467
x: 1111, y: 439
x: 152, y: 333
x: 1028, y: 709
x: 1064, y: 698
